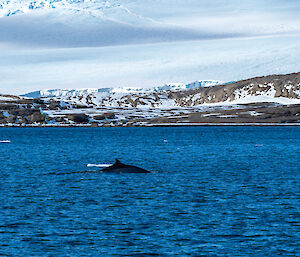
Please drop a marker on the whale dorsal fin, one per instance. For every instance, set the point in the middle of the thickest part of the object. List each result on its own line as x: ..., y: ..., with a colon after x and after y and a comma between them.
x: 118, y: 164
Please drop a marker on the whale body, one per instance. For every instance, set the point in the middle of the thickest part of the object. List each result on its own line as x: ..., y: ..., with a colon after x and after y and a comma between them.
x: 119, y: 167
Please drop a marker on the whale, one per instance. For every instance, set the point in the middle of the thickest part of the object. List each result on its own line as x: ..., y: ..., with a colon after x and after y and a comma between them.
x: 119, y: 168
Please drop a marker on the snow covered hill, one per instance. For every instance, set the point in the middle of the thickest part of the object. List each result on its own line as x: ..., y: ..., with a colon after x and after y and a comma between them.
x: 73, y: 23
x: 82, y: 23
x: 61, y: 93
x: 270, y: 99
x: 77, y: 44
x: 18, y: 7
x: 284, y: 89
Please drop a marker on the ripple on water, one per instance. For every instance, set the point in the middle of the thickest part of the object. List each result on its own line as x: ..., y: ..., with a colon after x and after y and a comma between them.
x: 214, y: 192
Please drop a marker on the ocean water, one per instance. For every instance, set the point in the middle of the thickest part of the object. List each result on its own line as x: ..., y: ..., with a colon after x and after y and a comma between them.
x: 214, y: 191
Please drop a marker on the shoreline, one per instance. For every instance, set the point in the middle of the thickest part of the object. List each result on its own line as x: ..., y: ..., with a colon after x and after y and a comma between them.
x: 158, y: 125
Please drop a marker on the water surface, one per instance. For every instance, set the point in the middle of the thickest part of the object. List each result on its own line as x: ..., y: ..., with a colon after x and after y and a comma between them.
x: 215, y: 191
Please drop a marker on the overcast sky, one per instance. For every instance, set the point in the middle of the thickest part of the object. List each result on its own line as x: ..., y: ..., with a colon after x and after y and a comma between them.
x: 145, y: 42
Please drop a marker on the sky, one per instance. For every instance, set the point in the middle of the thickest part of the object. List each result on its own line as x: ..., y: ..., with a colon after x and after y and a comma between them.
x: 144, y: 43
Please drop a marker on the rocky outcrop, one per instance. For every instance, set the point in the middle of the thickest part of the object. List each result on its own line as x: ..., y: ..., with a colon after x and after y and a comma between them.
x: 104, y: 116
x: 19, y: 110
x: 258, y: 113
x: 36, y: 117
x: 163, y: 106
x: 78, y: 118
x: 274, y: 86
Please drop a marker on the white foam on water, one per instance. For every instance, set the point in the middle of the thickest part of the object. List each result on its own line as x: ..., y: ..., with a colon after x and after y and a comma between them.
x: 5, y: 141
x: 103, y: 165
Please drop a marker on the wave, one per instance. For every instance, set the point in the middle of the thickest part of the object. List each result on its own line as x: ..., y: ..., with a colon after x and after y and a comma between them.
x: 103, y: 165
x: 5, y: 141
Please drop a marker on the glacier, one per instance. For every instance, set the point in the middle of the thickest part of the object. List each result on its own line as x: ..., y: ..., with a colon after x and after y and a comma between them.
x: 72, y: 44
x: 120, y: 90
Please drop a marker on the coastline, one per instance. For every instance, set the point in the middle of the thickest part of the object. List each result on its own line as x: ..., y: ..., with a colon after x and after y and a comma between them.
x: 154, y: 125
x: 44, y: 113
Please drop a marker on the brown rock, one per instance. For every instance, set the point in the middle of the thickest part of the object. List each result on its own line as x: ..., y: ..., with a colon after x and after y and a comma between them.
x: 54, y: 105
x: 59, y: 119
x: 79, y: 118
x: 11, y: 119
x: 36, y: 117
x: 105, y: 116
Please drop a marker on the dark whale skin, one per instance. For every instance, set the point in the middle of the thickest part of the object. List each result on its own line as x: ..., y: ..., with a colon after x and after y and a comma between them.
x: 119, y: 168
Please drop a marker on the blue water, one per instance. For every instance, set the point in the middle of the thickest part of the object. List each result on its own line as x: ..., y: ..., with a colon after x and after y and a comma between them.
x: 215, y: 191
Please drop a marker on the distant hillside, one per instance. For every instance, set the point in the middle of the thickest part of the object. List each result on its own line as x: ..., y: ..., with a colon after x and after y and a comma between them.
x: 269, y: 99
x: 274, y: 88
x: 103, y: 96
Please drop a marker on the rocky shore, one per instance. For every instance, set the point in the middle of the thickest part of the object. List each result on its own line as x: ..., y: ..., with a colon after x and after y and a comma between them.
x: 264, y: 100
x: 35, y: 113
x: 250, y: 114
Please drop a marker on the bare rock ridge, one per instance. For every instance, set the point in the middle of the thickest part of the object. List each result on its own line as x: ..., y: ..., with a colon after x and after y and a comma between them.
x: 268, y: 99
x: 273, y: 86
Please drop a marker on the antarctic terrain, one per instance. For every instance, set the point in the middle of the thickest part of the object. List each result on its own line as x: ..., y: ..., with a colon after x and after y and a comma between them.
x: 261, y: 100
x: 46, y: 44
x: 123, y: 63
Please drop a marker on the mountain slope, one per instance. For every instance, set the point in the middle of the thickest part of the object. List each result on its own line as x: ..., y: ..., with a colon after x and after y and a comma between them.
x: 102, y: 96
x: 241, y: 102
x: 111, y: 43
x: 73, y: 23
x: 274, y: 88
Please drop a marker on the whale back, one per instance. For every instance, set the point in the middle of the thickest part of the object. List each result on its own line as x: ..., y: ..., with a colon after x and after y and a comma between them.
x: 119, y: 167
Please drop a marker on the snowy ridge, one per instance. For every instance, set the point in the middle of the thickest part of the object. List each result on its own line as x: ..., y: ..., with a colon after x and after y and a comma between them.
x: 181, y: 86
x: 104, y: 92
x: 283, y: 89
x: 9, y: 98
x: 86, y: 43
x: 17, y: 7
x: 126, y: 107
